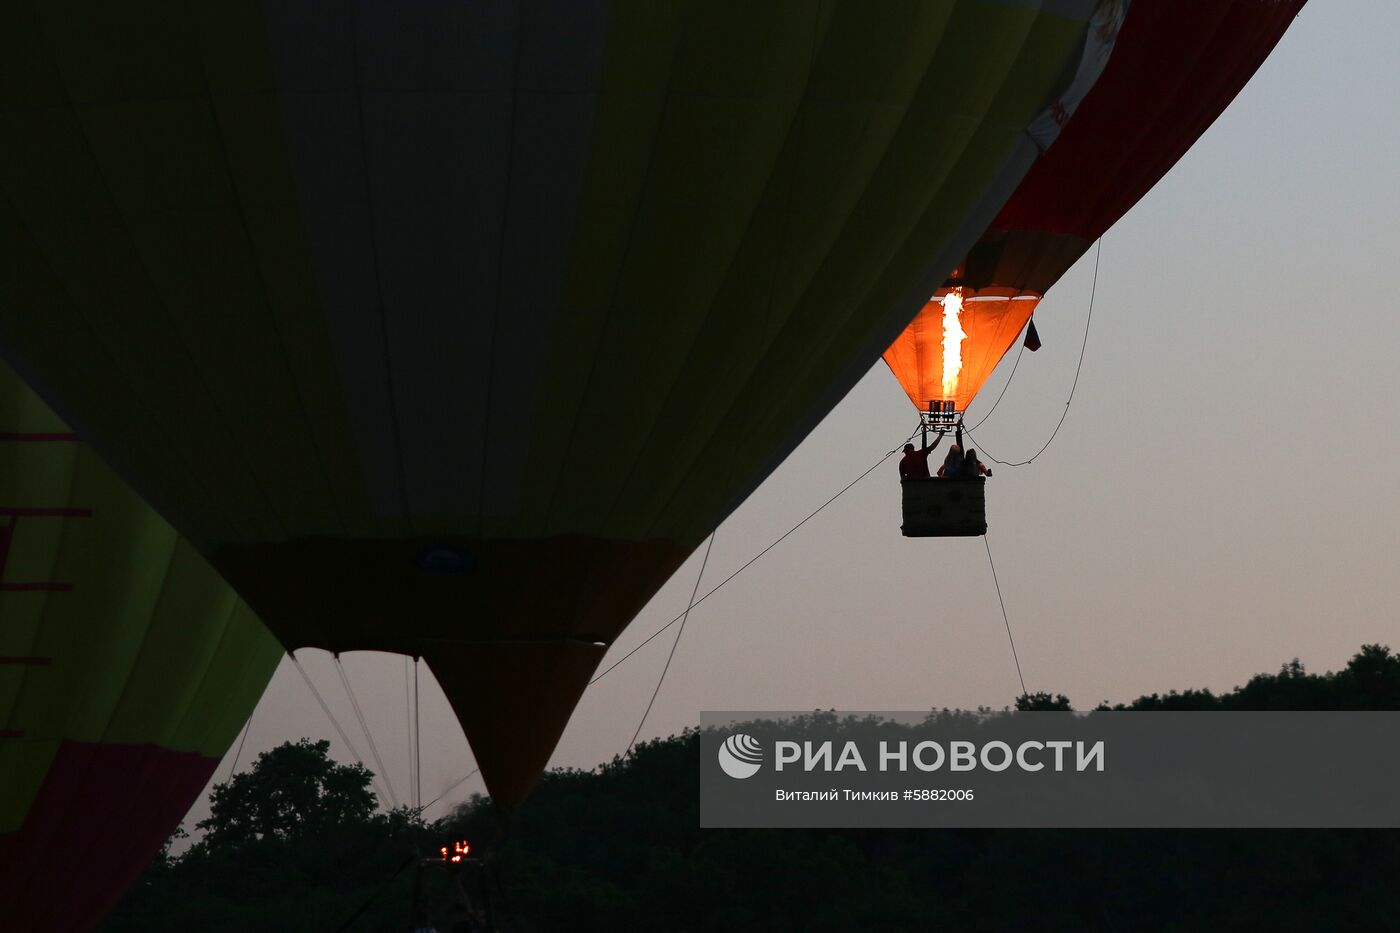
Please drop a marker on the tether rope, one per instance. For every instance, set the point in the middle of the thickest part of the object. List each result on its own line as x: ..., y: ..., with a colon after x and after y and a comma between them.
x: 1077, y: 369
x: 753, y: 560
x: 679, y: 632
x: 716, y: 588
x: 1004, y: 617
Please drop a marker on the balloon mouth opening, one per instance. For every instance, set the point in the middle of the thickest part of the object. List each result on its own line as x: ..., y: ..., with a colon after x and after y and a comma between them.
x: 445, y: 560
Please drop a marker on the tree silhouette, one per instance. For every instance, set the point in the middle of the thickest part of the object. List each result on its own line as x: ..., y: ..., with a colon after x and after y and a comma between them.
x: 1042, y: 702
x: 293, y: 791
x: 293, y: 846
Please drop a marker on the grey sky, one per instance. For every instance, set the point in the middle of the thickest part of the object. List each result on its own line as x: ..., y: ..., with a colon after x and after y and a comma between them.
x: 1220, y: 499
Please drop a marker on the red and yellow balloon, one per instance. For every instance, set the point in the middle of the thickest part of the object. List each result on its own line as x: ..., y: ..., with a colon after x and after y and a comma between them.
x: 1175, y: 66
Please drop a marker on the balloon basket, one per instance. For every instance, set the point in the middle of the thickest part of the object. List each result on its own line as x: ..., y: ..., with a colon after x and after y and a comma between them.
x: 944, y: 508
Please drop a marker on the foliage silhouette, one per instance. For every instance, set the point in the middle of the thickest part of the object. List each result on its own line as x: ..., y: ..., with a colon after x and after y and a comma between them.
x: 618, y: 847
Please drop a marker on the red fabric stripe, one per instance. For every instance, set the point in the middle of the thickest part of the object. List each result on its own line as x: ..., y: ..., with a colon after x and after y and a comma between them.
x: 102, y: 813
x: 1176, y: 65
x: 23, y: 659
x: 25, y: 512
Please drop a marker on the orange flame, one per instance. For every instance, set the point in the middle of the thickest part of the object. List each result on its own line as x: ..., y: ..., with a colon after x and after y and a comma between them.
x: 458, y: 851
x: 953, y: 336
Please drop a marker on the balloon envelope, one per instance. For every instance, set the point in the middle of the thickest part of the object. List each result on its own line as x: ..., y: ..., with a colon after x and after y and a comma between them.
x: 451, y: 329
x: 1175, y: 66
x: 127, y: 666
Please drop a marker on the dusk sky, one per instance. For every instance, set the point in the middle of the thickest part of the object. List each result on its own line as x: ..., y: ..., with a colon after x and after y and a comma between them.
x: 1219, y: 500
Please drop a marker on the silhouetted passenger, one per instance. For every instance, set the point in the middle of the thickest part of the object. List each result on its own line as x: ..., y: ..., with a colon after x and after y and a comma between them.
x: 952, y: 464
x: 972, y: 468
x: 914, y: 463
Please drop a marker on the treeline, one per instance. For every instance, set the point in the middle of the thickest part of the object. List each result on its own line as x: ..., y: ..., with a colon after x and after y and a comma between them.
x: 294, y: 844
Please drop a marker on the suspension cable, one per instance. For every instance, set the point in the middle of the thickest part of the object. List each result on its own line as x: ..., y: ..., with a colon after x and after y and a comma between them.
x: 364, y: 727
x: 359, y: 759
x: 1014, y: 364
x: 408, y: 727
x: 679, y: 632
x: 1093, y: 290
x: 239, y: 754
x: 417, y: 738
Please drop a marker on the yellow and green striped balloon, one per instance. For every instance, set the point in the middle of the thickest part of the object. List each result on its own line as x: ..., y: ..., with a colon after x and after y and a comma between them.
x: 127, y: 666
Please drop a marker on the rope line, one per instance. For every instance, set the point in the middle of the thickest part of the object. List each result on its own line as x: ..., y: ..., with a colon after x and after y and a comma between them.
x: 1093, y: 290
x: 470, y: 774
x: 408, y: 728
x: 417, y: 738
x: 679, y: 632
x: 364, y: 727
x: 1015, y: 363
x: 359, y: 759
x: 239, y: 754
x: 1004, y: 617
x: 695, y: 602
x: 375, y: 896
x: 753, y: 560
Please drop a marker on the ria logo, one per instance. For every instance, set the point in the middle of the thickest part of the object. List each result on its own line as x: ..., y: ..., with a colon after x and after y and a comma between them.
x: 740, y: 756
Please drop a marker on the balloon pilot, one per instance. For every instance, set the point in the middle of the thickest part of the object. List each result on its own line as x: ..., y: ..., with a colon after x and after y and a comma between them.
x: 914, y: 463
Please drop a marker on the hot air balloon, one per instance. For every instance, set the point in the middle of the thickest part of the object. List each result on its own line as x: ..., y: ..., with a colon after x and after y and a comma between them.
x: 127, y: 667
x: 451, y: 329
x: 1175, y: 67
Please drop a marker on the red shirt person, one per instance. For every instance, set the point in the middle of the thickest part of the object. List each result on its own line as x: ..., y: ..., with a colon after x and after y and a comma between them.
x: 914, y: 463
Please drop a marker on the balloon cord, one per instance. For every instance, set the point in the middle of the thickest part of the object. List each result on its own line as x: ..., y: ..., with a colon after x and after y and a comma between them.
x: 364, y: 727
x: 239, y: 754
x: 753, y: 560
x: 679, y: 632
x: 408, y: 729
x: 327, y: 710
x: 1004, y: 617
x: 695, y: 602
x: 1093, y: 290
x: 417, y: 739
